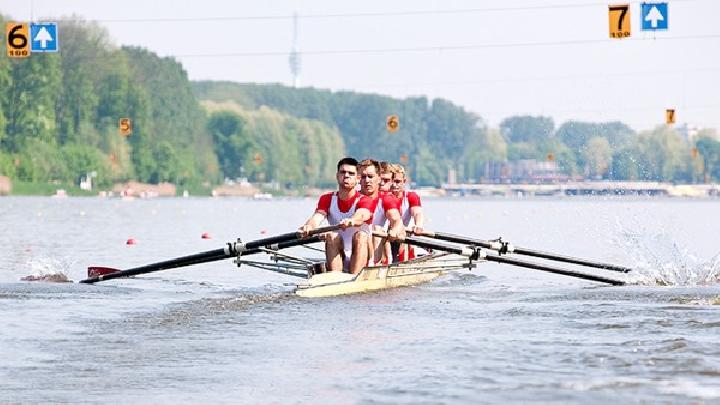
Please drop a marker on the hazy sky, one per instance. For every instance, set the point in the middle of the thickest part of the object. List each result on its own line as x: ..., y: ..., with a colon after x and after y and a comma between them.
x: 495, y: 58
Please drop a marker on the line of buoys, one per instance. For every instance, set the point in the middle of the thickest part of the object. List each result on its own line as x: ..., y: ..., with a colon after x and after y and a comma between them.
x: 205, y: 235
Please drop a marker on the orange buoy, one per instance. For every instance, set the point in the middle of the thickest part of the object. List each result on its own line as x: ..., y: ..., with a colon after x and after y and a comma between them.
x: 131, y: 241
x: 206, y: 235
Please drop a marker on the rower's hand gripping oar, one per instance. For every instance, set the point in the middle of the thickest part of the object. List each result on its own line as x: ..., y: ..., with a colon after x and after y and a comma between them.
x: 233, y: 249
x: 505, y: 248
x: 476, y: 253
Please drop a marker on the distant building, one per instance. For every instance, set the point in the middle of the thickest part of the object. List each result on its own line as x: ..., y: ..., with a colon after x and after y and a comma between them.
x: 524, y: 171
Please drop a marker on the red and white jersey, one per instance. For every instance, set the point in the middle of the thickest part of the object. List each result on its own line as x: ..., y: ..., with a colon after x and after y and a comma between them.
x: 378, y: 207
x: 410, y: 199
x: 336, y: 209
x: 379, y: 217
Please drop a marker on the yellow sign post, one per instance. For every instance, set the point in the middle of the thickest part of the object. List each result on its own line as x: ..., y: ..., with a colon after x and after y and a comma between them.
x: 393, y: 123
x: 404, y: 159
x: 670, y: 116
x: 125, y: 126
x: 619, y: 19
x: 18, y: 44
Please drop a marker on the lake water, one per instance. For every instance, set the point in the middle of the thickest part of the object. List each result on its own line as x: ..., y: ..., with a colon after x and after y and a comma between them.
x: 220, y: 334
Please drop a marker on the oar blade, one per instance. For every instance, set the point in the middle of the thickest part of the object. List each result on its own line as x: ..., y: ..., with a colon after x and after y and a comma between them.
x: 95, y: 271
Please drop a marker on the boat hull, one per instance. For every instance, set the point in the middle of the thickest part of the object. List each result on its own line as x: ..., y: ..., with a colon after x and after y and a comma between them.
x: 375, y: 278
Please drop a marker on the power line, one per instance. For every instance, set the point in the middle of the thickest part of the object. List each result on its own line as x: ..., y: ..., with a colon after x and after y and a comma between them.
x: 544, y: 78
x: 373, y: 14
x: 441, y: 48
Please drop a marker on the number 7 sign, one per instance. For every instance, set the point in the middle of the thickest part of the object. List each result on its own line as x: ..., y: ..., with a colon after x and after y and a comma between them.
x: 619, y: 18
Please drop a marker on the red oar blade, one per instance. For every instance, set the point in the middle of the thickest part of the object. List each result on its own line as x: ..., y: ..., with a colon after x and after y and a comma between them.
x: 95, y: 271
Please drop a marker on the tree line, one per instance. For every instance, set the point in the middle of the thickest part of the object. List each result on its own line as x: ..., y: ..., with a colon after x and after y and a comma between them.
x: 59, y: 118
x: 437, y: 135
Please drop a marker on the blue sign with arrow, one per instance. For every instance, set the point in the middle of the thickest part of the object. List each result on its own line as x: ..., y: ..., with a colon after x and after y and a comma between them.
x: 44, y: 37
x: 654, y: 16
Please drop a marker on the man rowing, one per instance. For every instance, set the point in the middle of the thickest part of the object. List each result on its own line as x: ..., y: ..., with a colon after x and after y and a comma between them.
x: 386, y: 177
x: 372, y: 203
x: 410, y: 206
x: 336, y: 207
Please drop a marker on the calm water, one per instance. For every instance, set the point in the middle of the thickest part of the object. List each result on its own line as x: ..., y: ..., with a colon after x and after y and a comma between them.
x: 216, y: 333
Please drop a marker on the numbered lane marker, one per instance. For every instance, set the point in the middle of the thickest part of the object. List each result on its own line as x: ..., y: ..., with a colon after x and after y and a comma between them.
x: 18, y: 45
x: 393, y: 123
x: 125, y: 126
x: 619, y: 18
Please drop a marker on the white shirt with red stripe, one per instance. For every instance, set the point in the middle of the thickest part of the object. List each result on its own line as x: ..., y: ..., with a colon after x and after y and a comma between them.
x: 410, y: 199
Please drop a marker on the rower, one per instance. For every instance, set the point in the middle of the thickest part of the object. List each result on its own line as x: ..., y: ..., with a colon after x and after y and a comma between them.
x: 381, y: 248
x: 410, y: 206
x: 362, y: 248
x: 386, y: 177
x: 336, y: 207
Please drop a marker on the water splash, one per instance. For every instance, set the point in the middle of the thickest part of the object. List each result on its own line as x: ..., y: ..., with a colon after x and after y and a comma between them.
x: 49, y: 269
x: 661, y: 261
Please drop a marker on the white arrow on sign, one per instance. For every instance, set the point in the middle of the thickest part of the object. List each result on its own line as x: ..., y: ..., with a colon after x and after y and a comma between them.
x: 43, y: 36
x: 654, y: 15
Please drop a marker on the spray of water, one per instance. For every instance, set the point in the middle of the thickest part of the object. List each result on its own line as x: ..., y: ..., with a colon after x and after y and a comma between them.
x: 49, y: 269
x: 658, y: 260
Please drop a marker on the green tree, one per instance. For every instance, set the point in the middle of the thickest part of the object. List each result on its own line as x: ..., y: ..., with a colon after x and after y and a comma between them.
x: 664, y: 155
x: 81, y: 160
x: 527, y: 128
x: 232, y: 146
x: 5, y: 84
x: 709, y: 151
x: 40, y: 161
x: 598, y: 156
x: 36, y: 81
x: 84, y: 51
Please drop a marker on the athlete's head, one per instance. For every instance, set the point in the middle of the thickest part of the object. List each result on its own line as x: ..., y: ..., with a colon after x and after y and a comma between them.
x: 347, y: 173
x: 369, y: 171
x: 399, y: 180
x: 386, y: 176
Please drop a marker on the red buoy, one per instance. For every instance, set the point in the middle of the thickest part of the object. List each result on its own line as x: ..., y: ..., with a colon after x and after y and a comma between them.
x: 206, y: 235
x: 131, y: 241
x: 263, y: 232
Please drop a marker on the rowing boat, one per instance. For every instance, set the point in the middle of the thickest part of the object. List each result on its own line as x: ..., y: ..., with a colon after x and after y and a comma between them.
x: 318, y: 283
x: 376, y: 278
x: 461, y: 252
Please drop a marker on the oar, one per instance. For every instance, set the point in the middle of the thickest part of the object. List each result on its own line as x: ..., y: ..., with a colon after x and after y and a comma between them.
x: 477, y: 253
x: 230, y: 250
x: 504, y: 247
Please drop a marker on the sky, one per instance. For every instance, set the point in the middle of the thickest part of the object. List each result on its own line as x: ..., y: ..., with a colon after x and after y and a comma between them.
x: 495, y: 58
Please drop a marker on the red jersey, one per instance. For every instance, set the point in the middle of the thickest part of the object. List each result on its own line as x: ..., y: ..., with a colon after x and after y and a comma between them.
x: 410, y: 199
x: 344, y: 205
x: 387, y: 200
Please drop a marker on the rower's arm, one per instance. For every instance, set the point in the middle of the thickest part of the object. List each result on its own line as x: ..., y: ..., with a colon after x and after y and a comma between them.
x: 396, y: 227
x: 360, y: 216
x: 314, y: 221
x: 418, y: 217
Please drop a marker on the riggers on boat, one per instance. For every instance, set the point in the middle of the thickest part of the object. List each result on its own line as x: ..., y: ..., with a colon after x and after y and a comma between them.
x: 458, y: 252
x: 372, y: 278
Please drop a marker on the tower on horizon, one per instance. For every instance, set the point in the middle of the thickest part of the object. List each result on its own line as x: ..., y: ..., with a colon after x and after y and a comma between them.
x: 294, y: 58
